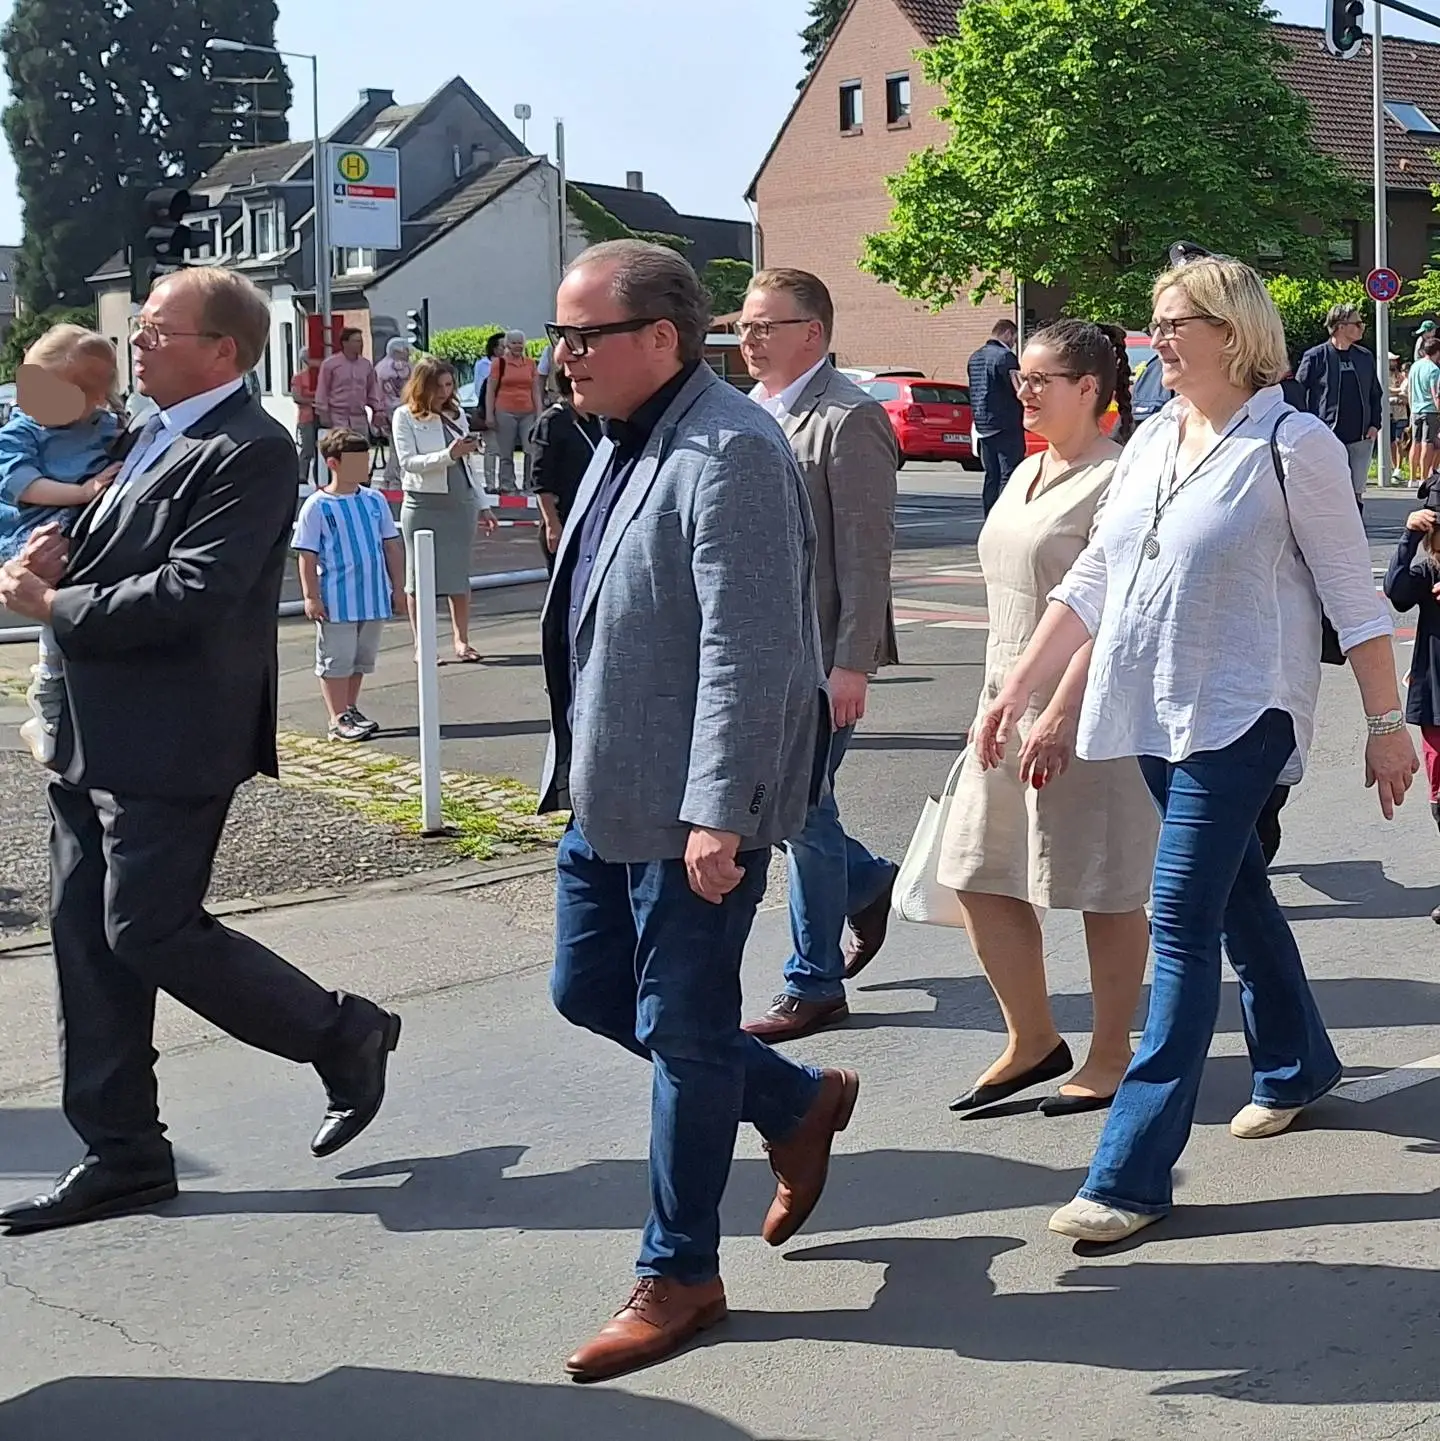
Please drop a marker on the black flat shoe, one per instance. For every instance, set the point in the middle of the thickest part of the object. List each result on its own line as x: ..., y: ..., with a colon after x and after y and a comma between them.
x: 355, y: 1085
x: 1058, y: 1063
x: 1058, y: 1105
x: 90, y: 1191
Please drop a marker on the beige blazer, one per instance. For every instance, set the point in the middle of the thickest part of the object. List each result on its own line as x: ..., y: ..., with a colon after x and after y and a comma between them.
x: 845, y: 445
x: 423, y: 452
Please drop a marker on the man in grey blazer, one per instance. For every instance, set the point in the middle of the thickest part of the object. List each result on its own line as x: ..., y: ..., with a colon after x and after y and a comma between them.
x: 688, y: 735
x: 845, y: 445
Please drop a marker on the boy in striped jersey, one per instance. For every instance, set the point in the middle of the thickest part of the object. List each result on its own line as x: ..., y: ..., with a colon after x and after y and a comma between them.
x: 352, y: 576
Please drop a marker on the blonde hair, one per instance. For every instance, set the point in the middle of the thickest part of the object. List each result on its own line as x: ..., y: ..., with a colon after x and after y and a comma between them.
x: 1231, y: 292
x: 63, y: 345
x: 422, y: 391
x: 808, y: 291
x: 231, y: 306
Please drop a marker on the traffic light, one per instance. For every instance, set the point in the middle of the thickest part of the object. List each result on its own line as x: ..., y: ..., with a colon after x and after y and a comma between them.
x: 164, y: 239
x: 417, y: 325
x: 1344, y: 27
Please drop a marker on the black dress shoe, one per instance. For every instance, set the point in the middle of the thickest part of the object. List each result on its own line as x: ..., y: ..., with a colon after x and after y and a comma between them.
x: 1061, y: 1105
x: 1058, y: 1063
x: 355, y: 1083
x: 869, y: 927
x: 91, y: 1191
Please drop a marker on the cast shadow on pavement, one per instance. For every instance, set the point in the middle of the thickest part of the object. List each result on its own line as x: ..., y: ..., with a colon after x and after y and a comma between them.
x: 13, y: 915
x: 1361, y: 891
x: 38, y: 1143
x: 349, y: 1404
x: 879, y: 741
x: 473, y: 730
x: 966, y: 1003
x: 1284, y: 1333
x: 472, y: 1191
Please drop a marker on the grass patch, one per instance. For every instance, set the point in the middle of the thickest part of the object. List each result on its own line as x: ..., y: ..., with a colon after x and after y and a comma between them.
x: 480, y: 833
x: 489, y: 816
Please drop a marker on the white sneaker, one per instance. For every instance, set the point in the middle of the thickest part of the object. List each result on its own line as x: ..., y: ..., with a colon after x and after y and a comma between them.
x: 1090, y: 1221
x: 1254, y: 1123
x: 40, y: 740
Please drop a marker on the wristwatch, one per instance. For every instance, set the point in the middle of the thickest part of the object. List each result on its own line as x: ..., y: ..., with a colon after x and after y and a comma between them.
x: 1387, y: 724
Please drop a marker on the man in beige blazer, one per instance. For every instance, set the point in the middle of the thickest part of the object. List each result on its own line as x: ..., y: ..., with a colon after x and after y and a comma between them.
x: 846, y: 449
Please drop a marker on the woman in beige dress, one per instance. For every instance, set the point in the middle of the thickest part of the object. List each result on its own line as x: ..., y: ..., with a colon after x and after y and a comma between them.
x: 1045, y: 831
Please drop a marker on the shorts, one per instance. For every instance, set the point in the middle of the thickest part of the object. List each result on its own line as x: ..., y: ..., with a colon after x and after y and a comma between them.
x: 346, y: 647
x: 1427, y: 428
x: 1398, y: 427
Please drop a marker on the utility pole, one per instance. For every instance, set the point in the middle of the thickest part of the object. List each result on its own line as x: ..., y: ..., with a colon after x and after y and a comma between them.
x: 563, y: 207
x: 1382, y: 247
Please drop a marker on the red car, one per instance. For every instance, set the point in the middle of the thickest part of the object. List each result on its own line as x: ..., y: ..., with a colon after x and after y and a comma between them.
x: 931, y: 418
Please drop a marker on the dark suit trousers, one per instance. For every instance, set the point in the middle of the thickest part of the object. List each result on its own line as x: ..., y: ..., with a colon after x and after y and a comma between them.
x: 999, y: 456
x: 128, y: 877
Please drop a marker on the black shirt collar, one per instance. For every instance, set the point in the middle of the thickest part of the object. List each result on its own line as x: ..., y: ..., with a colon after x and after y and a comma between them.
x: 630, y: 435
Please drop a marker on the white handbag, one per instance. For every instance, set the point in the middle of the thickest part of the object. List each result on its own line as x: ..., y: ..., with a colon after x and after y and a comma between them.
x: 918, y: 896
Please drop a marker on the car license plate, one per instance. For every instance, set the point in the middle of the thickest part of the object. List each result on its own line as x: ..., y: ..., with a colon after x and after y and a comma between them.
x: 954, y: 440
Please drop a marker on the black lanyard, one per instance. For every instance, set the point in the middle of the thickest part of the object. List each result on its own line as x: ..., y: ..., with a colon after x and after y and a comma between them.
x: 1150, y: 546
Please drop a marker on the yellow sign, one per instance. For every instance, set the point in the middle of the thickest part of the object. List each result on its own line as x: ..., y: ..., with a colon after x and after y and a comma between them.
x: 353, y: 166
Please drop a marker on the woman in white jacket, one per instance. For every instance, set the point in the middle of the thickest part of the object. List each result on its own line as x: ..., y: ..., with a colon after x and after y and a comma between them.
x: 443, y: 479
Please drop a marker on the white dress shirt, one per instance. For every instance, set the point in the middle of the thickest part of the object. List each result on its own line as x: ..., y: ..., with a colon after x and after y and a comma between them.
x: 785, y: 402
x: 1193, y: 646
x: 165, y: 427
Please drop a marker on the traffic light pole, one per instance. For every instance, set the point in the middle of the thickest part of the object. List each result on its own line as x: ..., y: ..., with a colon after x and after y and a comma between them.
x: 1382, y: 249
x: 322, y: 199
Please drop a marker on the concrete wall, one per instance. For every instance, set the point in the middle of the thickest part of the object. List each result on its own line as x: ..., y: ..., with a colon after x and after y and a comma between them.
x: 501, y: 265
x: 823, y: 191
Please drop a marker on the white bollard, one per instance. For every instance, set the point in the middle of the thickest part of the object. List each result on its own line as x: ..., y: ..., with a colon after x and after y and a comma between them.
x: 427, y: 664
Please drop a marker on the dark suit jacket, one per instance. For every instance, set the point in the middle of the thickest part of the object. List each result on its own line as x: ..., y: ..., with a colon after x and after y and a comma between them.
x: 1319, y: 375
x: 166, y: 615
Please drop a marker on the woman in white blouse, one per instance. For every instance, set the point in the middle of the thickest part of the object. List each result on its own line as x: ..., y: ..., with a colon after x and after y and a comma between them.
x: 1202, y: 591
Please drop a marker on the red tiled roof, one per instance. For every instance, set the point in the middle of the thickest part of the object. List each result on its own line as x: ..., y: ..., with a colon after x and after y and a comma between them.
x: 932, y: 18
x: 1341, y: 98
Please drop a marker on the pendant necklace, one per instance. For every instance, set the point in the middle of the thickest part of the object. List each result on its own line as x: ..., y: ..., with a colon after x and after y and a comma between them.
x: 1166, y: 489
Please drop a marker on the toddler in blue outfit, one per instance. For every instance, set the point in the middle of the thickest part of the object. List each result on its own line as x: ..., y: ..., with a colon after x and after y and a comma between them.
x: 55, y: 457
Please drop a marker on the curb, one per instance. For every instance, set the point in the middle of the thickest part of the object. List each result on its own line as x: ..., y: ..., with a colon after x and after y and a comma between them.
x: 448, y: 880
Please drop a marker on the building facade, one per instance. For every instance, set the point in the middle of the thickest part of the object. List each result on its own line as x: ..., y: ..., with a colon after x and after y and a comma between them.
x: 821, y: 188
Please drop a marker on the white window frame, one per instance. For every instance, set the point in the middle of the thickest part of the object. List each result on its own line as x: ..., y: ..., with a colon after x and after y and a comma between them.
x: 272, y: 214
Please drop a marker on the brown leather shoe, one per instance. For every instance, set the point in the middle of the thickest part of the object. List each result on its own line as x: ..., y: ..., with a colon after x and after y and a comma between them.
x: 660, y: 1317
x: 870, y: 927
x: 802, y: 1160
x: 789, y: 1018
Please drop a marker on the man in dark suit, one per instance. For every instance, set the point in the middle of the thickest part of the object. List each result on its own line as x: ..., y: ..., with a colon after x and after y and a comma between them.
x: 163, y: 605
x: 995, y: 407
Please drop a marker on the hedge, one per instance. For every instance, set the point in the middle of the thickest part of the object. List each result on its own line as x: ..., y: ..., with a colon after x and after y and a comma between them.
x: 466, y: 344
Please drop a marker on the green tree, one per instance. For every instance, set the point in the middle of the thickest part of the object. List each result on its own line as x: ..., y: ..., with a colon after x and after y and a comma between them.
x: 825, y: 15
x: 1088, y: 135
x: 114, y: 97
x: 28, y: 328
x: 727, y: 281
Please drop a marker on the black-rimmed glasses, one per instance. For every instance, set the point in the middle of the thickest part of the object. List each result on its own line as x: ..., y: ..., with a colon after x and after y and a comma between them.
x: 760, y: 329
x: 1169, y: 328
x: 577, y: 338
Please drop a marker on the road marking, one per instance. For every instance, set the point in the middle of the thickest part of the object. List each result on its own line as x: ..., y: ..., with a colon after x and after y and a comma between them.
x: 1401, y: 1078
x: 959, y: 625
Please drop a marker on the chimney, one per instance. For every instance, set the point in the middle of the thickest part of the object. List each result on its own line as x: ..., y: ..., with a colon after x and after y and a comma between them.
x: 634, y: 180
x: 380, y: 99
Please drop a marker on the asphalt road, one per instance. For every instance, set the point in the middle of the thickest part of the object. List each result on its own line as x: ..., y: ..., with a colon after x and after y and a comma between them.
x: 431, y: 1280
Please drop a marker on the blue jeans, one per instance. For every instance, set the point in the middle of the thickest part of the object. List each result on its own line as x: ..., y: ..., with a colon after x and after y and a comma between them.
x: 643, y: 961
x: 1211, y: 885
x: 831, y: 876
x: 999, y: 455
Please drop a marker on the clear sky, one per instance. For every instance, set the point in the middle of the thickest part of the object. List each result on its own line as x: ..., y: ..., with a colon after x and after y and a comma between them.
x: 687, y: 91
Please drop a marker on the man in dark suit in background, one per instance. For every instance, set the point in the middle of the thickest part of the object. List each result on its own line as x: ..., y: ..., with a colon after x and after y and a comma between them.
x: 164, y: 609
x: 995, y: 406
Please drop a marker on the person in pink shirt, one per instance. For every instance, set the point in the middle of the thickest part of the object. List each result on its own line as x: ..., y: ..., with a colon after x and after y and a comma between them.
x: 348, y: 389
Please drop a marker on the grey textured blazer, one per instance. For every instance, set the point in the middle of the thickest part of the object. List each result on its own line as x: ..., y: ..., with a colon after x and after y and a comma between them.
x: 846, y: 448
x: 698, y: 688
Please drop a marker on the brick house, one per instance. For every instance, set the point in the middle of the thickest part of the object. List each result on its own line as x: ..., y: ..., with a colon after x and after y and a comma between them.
x: 866, y: 107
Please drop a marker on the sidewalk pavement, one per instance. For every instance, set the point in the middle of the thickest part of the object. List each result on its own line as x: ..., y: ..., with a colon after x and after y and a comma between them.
x: 431, y: 1280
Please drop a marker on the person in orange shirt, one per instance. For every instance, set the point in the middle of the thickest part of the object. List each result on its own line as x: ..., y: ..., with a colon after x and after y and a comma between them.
x: 307, y: 427
x: 512, y: 406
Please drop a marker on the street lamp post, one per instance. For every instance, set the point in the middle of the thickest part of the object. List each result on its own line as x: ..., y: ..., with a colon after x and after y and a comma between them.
x: 317, y: 162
